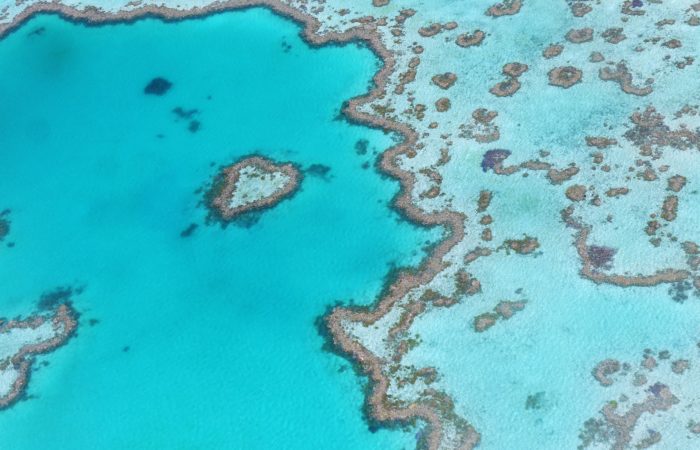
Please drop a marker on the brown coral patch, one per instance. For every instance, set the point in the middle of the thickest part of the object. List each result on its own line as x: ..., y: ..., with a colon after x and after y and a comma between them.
x: 600, y: 141
x: 564, y: 77
x: 507, y: 309
x: 623, y: 77
x: 445, y: 80
x: 443, y: 104
x: 669, y: 209
x: 505, y: 88
x: 515, y: 69
x: 556, y: 176
x: 225, y: 186
x: 430, y: 30
x: 523, y: 246
x: 504, y: 310
x: 466, y: 284
x: 680, y: 366
x: 484, y: 321
x: 468, y: 40
x: 676, y: 183
x: 484, y: 201
x: 596, y: 57
x: 576, y: 192
x: 505, y: 8
x: 672, y: 43
x: 552, y: 51
x: 613, y: 35
x: 605, y: 368
x: 484, y: 116
x: 579, y: 36
x: 616, y: 192
x: 580, y: 9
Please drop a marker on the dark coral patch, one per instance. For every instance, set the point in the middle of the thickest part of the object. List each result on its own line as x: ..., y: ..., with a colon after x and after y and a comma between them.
x: 361, y: 146
x: 535, y: 401
x: 506, y: 88
x: 157, y: 86
x: 183, y: 113
x: 194, y: 126
x: 318, y: 170
x: 61, y: 295
x: 188, y: 114
x: 601, y: 257
x: 187, y: 232
x: 492, y: 158
x: 4, y: 224
x: 37, y: 31
x: 679, y: 291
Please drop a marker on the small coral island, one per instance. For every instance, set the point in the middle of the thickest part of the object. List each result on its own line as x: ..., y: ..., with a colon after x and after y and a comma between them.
x: 22, y: 339
x: 252, y: 184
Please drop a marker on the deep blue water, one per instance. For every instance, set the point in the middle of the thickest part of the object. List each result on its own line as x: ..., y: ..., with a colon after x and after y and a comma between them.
x: 207, y: 341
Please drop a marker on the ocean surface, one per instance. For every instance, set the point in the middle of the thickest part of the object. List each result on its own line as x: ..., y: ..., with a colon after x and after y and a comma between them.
x: 208, y: 340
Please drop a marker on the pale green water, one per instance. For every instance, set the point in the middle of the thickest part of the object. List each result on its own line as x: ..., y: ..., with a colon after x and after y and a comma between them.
x: 223, y: 349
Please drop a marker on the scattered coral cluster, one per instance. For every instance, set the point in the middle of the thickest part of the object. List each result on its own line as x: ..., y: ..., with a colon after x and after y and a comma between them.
x: 645, y: 395
x: 594, y: 110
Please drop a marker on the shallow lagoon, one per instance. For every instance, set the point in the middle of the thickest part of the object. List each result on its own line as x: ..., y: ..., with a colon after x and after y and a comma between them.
x: 206, y: 341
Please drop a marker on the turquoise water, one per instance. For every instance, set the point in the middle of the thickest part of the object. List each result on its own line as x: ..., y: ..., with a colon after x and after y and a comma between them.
x: 219, y: 327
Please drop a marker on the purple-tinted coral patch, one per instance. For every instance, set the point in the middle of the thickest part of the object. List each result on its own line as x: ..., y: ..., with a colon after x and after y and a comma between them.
x: 657, y: 388
x: 493, y: 157
x: 601, y: 257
